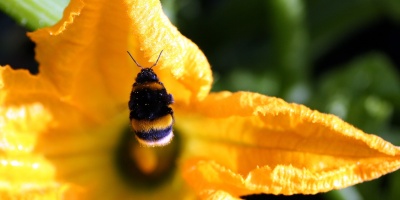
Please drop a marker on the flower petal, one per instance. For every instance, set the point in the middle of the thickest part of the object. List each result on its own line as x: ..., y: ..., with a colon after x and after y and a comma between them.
x: 154, y: 32
x: 80, y: 65
x: 84, y: 55
x: 216, y: 195
x: 85, y: 77
x: 24, y: 173
x: 247, y: 143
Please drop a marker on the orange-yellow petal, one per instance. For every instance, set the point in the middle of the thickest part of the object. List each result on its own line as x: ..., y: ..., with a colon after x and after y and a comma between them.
x: 84, y: 81
x: 246, y: 143
x: 25, y: 174
x: 216, y: 195
x: 152, y: 33
x: 84, y: 55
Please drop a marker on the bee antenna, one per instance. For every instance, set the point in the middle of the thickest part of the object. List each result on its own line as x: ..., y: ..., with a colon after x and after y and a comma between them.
x: 140, y: 65
x: 135, y: 60
x: 157, y: 60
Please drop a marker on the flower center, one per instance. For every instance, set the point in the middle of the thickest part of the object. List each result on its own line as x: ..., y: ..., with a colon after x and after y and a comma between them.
x: 146, y: 167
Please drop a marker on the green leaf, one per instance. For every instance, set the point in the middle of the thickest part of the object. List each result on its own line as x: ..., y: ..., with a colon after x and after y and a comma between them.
x: 34, y: 14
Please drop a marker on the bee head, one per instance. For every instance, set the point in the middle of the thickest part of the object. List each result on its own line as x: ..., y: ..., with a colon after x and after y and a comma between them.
x: 146, y: 75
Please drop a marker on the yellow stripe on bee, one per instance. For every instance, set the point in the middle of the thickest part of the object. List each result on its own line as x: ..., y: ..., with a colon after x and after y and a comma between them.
x: 149, y: 85
x: 146, y: 125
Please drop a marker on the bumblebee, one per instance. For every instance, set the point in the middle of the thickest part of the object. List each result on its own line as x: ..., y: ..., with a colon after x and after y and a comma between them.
x: 150, y: 114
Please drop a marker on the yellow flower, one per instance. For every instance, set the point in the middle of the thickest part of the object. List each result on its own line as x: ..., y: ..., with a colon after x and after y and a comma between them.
x: 65, y: 132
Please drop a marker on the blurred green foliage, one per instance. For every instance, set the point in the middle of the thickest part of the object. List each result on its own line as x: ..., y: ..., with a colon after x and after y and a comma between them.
x: 304, y: 51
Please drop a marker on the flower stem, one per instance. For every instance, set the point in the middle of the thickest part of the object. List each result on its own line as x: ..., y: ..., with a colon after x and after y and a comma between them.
x: 290, y: 42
